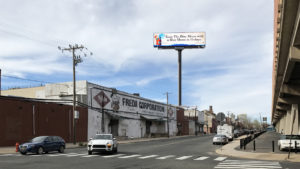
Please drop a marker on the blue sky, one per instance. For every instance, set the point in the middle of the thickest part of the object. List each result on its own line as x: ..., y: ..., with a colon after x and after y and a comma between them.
x: 233, y: 73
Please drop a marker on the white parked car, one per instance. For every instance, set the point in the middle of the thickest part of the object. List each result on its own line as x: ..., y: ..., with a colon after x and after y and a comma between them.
x: 285, y: 140
x: 102, y: 143
x: 220, y: 139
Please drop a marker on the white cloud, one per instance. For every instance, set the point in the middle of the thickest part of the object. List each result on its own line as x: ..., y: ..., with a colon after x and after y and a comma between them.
x: 233, y: 71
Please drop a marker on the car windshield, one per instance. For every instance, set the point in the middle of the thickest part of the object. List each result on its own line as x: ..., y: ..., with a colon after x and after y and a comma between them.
x: 38, y: 139
x: 294, y: 137
x: 103, y: 137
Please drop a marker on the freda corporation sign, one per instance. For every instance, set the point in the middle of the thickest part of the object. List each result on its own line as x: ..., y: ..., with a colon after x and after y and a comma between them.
x: 181, y: 40
x: 123, y: 103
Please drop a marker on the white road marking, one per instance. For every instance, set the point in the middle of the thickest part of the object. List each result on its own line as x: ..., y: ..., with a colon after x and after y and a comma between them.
x: 150, y: 156
x: 55, y: 155
x: 183, y: 157
x: 74, y: 155
x: 220, y: 158
x: 71, y: 153
x: 201, y: 158
x: 111, y: 156
x: 165, y: 157
x: 5, y: 155
x: 90, y: 156
x: 242, y: 164
x: 130, y: 156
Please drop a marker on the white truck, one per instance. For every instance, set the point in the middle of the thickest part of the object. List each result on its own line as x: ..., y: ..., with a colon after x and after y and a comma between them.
x: 226, y: 130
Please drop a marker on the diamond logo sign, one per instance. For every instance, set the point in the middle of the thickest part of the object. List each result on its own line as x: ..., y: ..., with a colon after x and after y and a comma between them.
x: 102, y: 99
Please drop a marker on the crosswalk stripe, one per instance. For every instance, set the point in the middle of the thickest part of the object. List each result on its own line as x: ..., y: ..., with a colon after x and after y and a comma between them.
x: 111, y: 156
x: 55, y: 155
x: 74, y: 155
x: 5, y: 155
x: 201, y: 158
x: 130, y: 156
x: 165, y: 157
x: 183, y: 157
x: 89, y: 156
x: 150, y: 156
x: 220, y: 158
x: 235, y: 164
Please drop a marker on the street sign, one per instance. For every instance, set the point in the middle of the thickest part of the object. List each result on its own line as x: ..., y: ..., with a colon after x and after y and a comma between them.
x: 76, y: 115
x: 102, y: 99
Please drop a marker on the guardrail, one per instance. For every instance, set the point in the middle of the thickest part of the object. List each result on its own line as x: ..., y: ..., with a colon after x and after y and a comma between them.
x: 248, y: 139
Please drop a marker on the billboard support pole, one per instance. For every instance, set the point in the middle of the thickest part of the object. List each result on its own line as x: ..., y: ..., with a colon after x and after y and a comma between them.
x: 179, y: 41
x: 179, y: 75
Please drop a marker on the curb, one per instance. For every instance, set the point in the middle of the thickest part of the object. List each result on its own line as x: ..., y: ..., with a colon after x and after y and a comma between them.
x: 230, y: 150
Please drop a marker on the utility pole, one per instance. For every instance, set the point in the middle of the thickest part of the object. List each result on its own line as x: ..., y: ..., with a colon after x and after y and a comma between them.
x: 260, y: 120
x: 229, y: 120
x: 195, y: 121
x: 76, y: 59
x: 167, y: 94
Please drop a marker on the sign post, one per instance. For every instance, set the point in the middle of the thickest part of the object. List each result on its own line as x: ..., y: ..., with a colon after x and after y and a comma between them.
x: 179, y: 42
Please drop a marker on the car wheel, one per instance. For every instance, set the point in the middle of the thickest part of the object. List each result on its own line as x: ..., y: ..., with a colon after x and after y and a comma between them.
x: 90, y: 152
x: 61, y: 149
x: 40, y: 150
x: 23, y: 153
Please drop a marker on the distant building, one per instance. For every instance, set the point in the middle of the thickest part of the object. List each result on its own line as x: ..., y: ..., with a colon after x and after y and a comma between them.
x: 210, y: 122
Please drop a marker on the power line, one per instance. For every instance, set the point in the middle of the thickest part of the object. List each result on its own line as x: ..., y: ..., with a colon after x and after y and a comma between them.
x: 32, y: 80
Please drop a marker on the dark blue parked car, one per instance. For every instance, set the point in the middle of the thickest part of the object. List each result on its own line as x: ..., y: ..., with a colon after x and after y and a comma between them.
x: 42, y: 144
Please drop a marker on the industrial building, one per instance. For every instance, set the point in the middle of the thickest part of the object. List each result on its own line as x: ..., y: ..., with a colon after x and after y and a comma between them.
x: 110, y: 110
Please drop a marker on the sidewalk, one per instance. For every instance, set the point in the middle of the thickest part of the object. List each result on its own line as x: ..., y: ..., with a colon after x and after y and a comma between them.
x: 232, y: 149
x: 263, y: 143
x: 12, y: 149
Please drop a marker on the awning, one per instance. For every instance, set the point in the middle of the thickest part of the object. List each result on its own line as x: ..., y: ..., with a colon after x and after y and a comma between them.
x: 152, y: 118
x: 114, y: 115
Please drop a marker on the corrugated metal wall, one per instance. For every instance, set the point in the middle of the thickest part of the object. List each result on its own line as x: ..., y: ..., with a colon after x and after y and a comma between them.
x: 21, y: 120
x: 182, y: 122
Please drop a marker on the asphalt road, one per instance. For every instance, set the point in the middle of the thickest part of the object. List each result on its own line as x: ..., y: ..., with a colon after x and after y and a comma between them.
x: 176, y: 153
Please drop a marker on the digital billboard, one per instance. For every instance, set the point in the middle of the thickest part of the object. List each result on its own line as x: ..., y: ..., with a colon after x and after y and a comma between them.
x: 184, y: 40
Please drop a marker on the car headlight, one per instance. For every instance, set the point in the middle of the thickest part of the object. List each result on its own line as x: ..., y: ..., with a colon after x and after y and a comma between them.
x: 108, y: 145
x: 31, y: 146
